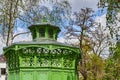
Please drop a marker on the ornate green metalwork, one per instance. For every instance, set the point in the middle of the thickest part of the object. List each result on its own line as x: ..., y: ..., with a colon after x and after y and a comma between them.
x: 43, y: 58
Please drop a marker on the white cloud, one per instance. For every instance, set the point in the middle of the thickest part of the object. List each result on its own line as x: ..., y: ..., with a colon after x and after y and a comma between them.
x: 25, y: 37
x: 118, y: 22
x: 101, y: 19
x: 22, y: 37
x: 20, y: 30
x: 71, y: 41
x: 62, y: 40
x: 78, y: 4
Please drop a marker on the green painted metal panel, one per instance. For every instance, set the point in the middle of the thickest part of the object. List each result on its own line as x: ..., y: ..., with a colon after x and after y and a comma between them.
x: 42, y: 75
x: 64, y: 76
x: 57, y: 75
x: 17, y: 76
x: 28, y: 75
x: 11, y: 76
x: 70, y: 76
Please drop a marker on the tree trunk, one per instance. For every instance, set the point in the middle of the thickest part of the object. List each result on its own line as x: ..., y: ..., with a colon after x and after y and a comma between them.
x: 85, y: 76
x: 12, y: 15
x: 10, y: 25
x: 84, y: 73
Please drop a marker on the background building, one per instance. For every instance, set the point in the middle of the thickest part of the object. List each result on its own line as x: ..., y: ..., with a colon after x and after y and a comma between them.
x: 3, y: 75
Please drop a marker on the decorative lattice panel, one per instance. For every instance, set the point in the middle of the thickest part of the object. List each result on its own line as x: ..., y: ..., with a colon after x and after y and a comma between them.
x: 56, y: 63
x: 28, y: 61
x: 12, y: 59
x: 42, y: 57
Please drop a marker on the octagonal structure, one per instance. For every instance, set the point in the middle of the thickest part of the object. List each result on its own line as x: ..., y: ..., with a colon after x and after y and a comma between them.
x: 43, y: 58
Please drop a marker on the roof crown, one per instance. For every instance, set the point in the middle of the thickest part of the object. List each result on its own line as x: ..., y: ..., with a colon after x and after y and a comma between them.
x: 44, y: 30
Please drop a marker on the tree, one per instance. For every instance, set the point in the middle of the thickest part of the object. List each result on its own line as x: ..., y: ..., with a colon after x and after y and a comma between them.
x: 112, y: 16
x: 99, y: 40
x: 97, y: 67
x: 29, y: 12
x: 9, y: 13
x: 56, y: 14
x: 84, y: 21
x: 92, y: 42
x: 112, y: 63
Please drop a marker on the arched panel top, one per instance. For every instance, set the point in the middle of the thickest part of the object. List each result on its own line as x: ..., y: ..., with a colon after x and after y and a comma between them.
x: 45, y: 46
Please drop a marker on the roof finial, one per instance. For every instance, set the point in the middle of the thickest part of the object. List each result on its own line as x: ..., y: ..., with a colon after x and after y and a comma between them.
x: 45, y: 19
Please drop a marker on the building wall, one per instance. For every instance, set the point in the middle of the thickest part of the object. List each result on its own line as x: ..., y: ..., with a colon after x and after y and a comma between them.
x: 2, y: 74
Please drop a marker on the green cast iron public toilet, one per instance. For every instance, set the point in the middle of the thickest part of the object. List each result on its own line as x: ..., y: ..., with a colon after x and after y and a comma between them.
x: 43, y: 58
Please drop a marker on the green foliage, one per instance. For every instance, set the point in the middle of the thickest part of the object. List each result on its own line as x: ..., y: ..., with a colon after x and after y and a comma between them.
x: 112, y: 68
x: 113, y: 9
x: 94, y: 66
x: 97, y: 67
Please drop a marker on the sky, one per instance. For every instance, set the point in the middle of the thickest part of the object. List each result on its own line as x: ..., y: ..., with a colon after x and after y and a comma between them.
x: 76, y: 6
